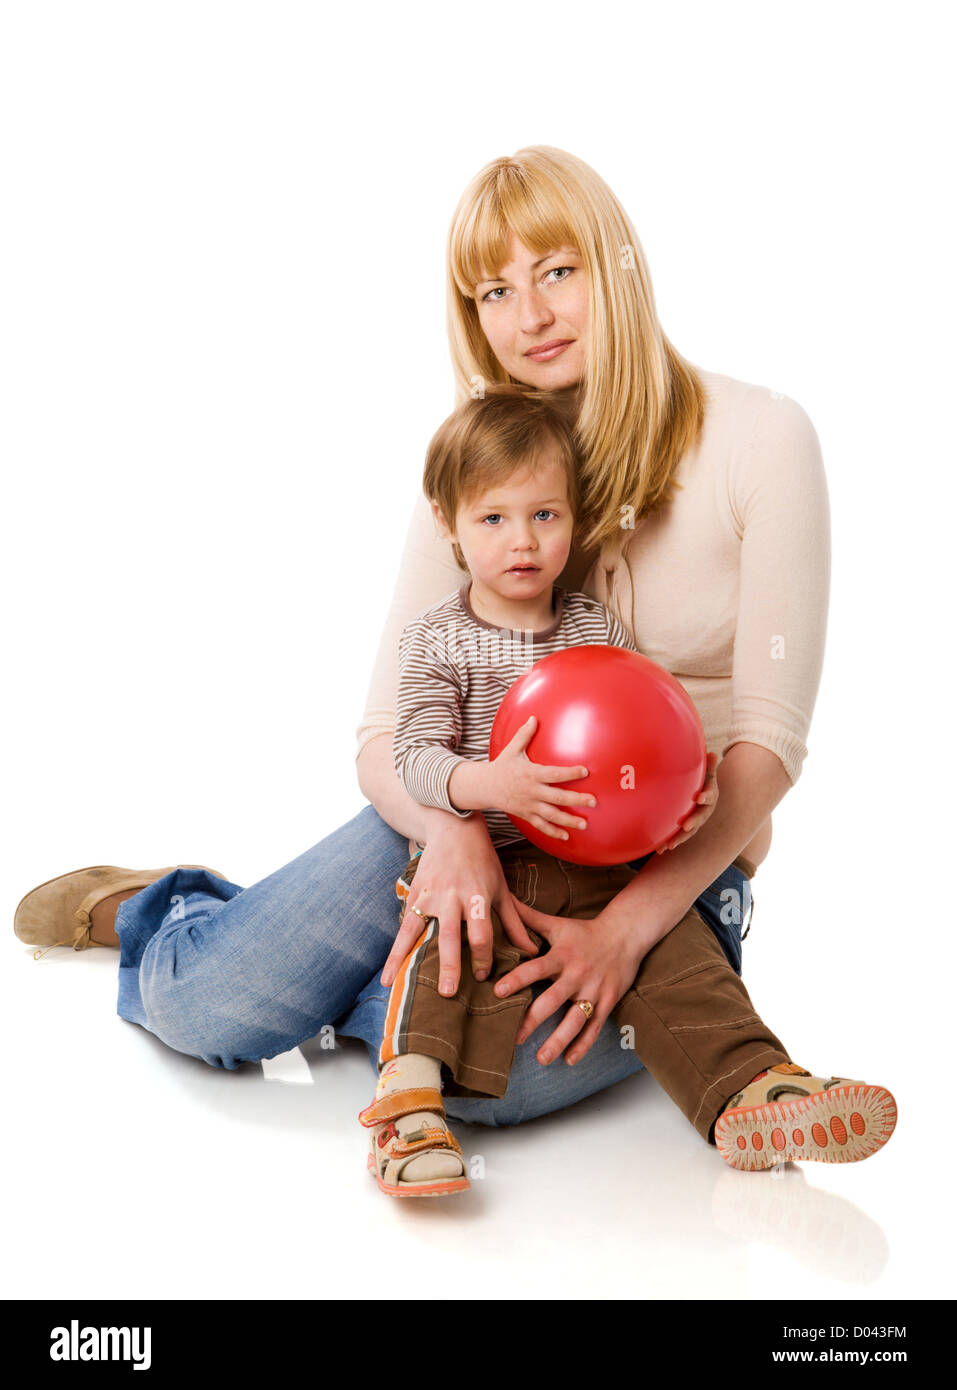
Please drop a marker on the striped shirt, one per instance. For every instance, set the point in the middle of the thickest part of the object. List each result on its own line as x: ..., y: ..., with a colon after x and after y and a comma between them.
x: 454, y: 669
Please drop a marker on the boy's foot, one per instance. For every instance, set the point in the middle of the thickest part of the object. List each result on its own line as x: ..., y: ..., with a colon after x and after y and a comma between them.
x: 79, y: 909
x: 785, y: 1114
x: 413, y: 1151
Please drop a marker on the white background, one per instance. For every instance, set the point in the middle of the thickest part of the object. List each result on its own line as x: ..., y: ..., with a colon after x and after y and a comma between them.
x: 223, y: 354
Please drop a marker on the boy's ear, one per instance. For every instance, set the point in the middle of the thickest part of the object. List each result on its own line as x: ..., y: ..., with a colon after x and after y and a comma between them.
x: 444, y: 531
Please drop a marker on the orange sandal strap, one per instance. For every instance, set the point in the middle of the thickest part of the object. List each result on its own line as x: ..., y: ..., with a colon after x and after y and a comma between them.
x: 401, y: 1103
x: 428, y: 1137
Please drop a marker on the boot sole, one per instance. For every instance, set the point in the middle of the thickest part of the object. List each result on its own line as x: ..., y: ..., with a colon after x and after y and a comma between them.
x: 840, y: 1125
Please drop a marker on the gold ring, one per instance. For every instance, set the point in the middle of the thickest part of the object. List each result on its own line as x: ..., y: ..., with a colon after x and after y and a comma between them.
x: 586, y: 1006
x: 425, y: 915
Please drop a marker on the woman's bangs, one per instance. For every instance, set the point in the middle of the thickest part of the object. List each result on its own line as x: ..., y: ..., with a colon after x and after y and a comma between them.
x: 508, y: 205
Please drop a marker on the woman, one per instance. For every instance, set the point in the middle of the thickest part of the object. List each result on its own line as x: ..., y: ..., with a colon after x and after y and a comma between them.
x: 708, y: 534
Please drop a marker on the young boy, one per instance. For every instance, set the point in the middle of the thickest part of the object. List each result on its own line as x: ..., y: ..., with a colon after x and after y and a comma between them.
x: 502, y: 477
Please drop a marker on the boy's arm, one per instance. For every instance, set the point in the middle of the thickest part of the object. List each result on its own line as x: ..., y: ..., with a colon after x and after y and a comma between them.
x: 428, y: 718
x: 472, y: 785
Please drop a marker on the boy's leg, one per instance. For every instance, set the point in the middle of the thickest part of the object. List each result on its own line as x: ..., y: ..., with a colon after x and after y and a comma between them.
x: 412, y: 1148
x: 473, y: 1031
x: 692, y: 1021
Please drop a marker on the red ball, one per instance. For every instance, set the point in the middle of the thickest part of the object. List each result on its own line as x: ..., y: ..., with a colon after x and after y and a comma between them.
x: 632, y: 725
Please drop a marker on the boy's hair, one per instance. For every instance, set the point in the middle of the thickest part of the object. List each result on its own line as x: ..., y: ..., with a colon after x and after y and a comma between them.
x: 489, y: 438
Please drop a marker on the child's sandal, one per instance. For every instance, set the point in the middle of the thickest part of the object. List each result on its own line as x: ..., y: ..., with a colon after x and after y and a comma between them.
x: 390, y: 1151
x: 785, y: 1114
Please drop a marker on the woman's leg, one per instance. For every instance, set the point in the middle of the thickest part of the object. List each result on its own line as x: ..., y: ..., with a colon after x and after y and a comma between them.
x: 232, y: 975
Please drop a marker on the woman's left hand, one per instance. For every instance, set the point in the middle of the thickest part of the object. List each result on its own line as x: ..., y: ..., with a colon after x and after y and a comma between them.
x: 592, y: 959
x: 707, y: 800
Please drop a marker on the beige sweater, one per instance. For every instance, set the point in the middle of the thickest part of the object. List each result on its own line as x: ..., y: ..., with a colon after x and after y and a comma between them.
x: 726, y: 586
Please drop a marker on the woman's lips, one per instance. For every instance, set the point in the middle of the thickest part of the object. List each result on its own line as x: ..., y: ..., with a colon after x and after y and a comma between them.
x: 547, y: 351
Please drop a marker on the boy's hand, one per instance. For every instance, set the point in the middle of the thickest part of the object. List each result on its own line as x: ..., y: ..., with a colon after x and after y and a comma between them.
x: 707, y: 799
x: 523, y: 788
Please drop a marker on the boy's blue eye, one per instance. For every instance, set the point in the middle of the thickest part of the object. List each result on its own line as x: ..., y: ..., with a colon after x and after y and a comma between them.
x: 497, y: 516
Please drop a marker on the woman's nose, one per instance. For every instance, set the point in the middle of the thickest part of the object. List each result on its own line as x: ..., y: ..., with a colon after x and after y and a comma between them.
x: 533, y: 312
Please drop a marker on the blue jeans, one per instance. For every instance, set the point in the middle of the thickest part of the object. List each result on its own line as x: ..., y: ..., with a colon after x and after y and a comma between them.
x: 232, y: 975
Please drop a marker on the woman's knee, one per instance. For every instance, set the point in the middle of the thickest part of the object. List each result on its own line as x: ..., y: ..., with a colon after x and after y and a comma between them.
x: 216, y: 1041
x: 485, y: 1110
x: 223, y: 1031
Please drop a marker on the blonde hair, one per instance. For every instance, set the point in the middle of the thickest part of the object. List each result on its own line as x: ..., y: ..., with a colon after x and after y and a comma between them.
x: 640, y: 404
x: 488, y: 439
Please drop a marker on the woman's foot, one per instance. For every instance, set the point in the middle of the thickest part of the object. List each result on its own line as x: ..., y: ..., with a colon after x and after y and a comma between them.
x: 79, y: 909
x: 413, y: 1152
x: 785, y: 1113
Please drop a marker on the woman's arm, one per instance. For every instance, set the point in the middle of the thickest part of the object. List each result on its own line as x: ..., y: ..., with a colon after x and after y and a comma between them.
x: 379, y: 783
x: 427, y: 574
x: 751, y: 781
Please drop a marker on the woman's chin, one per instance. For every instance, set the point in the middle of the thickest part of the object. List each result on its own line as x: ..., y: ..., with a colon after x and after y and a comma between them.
x: 561, y: 378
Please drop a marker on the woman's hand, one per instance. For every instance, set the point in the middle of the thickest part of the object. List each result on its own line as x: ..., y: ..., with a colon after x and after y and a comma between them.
x: 707, y: 799
x: 595, y: 960
x: 458, y: 878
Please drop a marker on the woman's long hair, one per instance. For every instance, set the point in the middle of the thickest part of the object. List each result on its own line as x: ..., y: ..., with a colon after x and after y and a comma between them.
x: 640, y: 404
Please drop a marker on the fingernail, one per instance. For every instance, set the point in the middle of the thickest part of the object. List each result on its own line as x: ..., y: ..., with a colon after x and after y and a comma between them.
x: 447, y: 987
x: 582, y: 824
x: 544, y: 1058
x: 572, y: 1061
x: 481, y: 974
x: 501, y: 990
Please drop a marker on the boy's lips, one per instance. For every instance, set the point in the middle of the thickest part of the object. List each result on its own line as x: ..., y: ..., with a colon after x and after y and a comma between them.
x: 523, y: 569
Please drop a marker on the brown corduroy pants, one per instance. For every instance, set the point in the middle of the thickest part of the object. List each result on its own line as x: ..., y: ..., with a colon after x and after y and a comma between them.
x: 687, y: 1013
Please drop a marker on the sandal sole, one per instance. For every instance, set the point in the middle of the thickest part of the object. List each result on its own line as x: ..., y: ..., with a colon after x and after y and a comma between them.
x: 842, y: 1125
x: 440, y: 1188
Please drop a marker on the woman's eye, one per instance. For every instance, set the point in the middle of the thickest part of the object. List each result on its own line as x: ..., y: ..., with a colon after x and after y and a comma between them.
x: 496, y: 294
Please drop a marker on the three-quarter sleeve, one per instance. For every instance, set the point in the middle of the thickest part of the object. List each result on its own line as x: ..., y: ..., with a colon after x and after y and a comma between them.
x: 427, y: 573
x: 428, y: 718
x: 779, y: 502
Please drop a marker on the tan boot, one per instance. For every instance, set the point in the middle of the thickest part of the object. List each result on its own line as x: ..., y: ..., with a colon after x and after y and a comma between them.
x: 79, y: 909
x: 785, y: 1113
